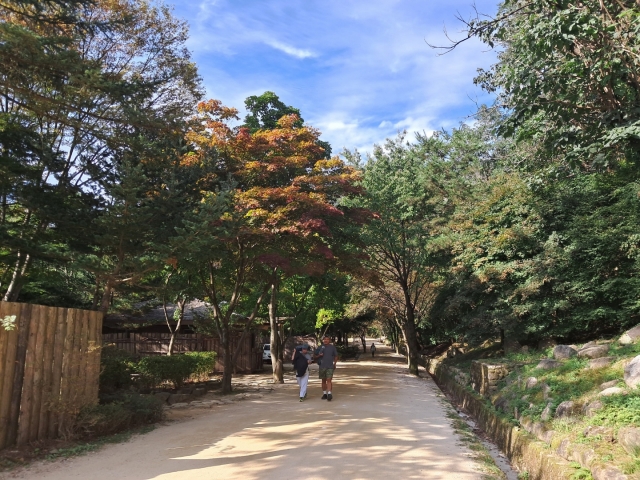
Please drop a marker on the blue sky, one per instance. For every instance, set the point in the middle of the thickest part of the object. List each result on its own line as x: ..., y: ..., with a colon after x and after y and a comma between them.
x: 359, y: 71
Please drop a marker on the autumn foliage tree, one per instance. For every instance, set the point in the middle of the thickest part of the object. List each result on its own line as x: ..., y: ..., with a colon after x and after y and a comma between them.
x: 270, y: 205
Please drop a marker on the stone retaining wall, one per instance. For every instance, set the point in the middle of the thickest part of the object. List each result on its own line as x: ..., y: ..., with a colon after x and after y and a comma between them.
x: 522, y: 449
x: 485, y: 376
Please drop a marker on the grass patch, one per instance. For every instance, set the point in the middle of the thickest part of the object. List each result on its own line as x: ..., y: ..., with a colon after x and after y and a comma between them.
x: 82, y: 448
x: 580, y: 473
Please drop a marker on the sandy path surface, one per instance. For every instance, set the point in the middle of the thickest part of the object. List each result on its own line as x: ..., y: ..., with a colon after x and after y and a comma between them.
x: 381, y: 424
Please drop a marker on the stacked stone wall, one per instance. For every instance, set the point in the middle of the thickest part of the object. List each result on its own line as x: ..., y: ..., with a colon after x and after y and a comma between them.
x: 485, y: 376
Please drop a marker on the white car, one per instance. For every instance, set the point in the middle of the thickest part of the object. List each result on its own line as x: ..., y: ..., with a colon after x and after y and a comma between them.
x: 266, y: 353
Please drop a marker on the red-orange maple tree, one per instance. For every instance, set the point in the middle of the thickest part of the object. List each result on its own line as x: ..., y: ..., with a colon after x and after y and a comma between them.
x: 283, y: 211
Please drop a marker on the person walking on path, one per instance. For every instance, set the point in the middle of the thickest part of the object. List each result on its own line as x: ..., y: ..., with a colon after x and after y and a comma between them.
x: 301, y: 360
x: 328, y: 359
x: 373, y: 349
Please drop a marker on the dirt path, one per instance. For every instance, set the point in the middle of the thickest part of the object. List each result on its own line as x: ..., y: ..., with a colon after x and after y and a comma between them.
x: 381, y: 423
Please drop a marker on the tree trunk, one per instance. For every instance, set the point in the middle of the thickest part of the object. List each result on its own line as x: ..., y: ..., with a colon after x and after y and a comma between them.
x: 227, y: 361
x: 364, y: 343
x: 181, y: 304
x: 408, y: 328
x: 106, y: 296
x: 19, y: 270
x: 277, y: 353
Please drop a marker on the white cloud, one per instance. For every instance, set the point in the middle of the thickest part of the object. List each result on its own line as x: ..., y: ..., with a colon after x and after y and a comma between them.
x: 358, y: 70
x: 289, y: 50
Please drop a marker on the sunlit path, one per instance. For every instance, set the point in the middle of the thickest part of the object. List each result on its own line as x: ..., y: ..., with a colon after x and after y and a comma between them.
x: 380, y: 424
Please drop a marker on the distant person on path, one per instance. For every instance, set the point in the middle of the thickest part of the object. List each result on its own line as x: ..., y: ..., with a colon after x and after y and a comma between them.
x: 328, y: 356
x: 301, y: 360
x: 373, y: 349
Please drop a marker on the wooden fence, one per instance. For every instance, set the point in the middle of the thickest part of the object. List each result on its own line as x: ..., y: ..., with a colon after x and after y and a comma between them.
x: 155, y: 343
x: 49, y: 369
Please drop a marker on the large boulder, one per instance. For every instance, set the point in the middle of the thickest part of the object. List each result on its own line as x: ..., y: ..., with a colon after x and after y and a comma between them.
x: 609, y: 384
x: 595, y: 351
x: 565, y: 409
x: 530, y: 383
x: 630, y: 336
x: 607, y: 392
x: 548, y: 364
x: 605, y: 433
x: 592, y: 407
x: 562, y: 352
x: 601, y: 362
x: 629, y: 438
x: 632, y: 372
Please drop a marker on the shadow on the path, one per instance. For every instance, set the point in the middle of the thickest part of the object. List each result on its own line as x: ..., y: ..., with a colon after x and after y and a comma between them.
x: 357, y: 435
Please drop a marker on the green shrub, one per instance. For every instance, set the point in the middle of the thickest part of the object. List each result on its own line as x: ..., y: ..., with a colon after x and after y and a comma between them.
x: 347, y: 352
x: 116, y: 367
x: 128, y: 411
x: 176, y: 368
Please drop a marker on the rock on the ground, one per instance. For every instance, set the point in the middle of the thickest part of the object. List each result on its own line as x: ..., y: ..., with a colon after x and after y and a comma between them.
x: 629, y: 438
x: 162, y: 396
x: 562, y: 352
x: 607, y: 473
x: 180, y: 405
x: 600, y: 362
x: 565, y: 409
x: 186, y: 390
x: 592, y: 407
x: 548, y: 364
x: 607, y: 392
x: 588, y: 344
x: 605, y: 433
x: 531, y: 382
x: 609, y: 384
x: 632, y: 372
x: 595, y: 351
x: 630, y: 336
x: 199, y: 392
x: 178, y: 398
x: 546, y: 413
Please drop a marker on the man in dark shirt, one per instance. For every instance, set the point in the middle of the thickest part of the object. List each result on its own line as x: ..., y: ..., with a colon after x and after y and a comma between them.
x: 328, y: 357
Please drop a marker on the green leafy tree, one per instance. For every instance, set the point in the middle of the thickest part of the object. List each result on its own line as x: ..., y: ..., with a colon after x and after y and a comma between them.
x: 568, y: 75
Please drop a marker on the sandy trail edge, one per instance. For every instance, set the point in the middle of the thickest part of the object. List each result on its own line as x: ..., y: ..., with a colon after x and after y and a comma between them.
x: 382, y: 423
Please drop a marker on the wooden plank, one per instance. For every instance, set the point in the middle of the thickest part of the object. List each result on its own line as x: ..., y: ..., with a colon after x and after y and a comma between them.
x: 98, y: 356
x: 82, y: 360
x: 4, y: 343
x: 30, y: 372
x: 93, y: 362
x: 24, y: 322
x: 47, y: 364
x: 67, y: 368
x: 75, y: 386
x: 56, y: 370
x: 9, y: 363
x: 38, y: 372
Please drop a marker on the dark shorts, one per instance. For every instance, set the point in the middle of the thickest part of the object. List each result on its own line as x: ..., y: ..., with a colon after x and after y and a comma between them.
x: 326, y: 373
